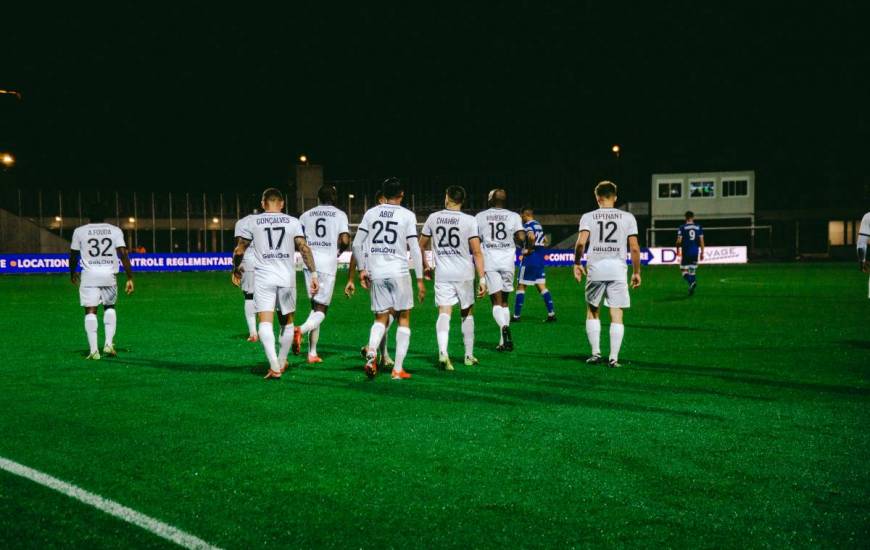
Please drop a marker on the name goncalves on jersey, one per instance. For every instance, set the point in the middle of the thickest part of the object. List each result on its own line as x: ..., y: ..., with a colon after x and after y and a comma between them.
x: 261, y: 220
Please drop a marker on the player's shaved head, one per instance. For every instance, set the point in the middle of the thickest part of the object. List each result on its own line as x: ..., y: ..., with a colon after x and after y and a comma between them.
x: 690, y: 215
x: 605, y: 189
x: 273, y: 196
x: 456, y: 194
x: 327, y: 194
x: 392, y: 188
x: 497, y: 197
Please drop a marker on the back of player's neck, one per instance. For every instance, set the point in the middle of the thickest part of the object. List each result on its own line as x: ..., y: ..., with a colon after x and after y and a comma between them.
x: 453, y: 207
x: 267, y: 211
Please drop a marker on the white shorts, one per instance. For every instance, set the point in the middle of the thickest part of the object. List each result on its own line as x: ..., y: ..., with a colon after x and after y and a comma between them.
x: 247, y: 283
x: 450, y: 293
x: 267, y: 297
x: 92, y: 296
x: 615, y: 293
x: 325, y: 290
x: 499, y: 281
x: 394, y: 293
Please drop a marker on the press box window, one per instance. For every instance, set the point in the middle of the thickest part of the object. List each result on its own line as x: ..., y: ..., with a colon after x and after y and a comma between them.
x: 735, y: 188
x: 670, y: 190
x: 702, y: 189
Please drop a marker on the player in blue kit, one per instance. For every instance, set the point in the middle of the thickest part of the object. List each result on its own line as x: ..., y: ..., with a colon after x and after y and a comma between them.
x: 690, y: 245
x: 532, y: 266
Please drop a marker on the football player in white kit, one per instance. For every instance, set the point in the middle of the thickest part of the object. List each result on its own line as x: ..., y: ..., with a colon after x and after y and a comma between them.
x: 247, y: 281
x: 350, y: 289
x: 455, y: 240
x: 276, y: 236
x: 863, y: 237
x: 328, y: 236
x: 99, y: 245
x: 605, y: 235
x: 500, y: 232
x: 385, y: 236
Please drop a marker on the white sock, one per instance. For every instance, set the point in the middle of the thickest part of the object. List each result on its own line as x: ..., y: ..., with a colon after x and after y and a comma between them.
x: 313, y: 336
x: 110, y: 323
x: 286, y: 340
x: 616, y: 332
x: 403, y: 338
x: 506, y: 315
x: 593, y: 332
x: 251, y: 317
x: 383, y: 348
x: 499, y: 320
x: 468, y: 335
x: 91, y: 330
x: 442, y: 332
x: 375, y: 335
x: 313, y: 321
x: 267, y: 338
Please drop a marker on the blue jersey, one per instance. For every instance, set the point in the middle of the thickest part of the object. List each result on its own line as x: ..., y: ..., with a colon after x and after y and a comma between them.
x: 536, y: 258
x: 691, y: 234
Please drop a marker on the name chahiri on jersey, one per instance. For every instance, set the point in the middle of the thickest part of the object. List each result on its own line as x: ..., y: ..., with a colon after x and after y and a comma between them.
x: 447, y: 220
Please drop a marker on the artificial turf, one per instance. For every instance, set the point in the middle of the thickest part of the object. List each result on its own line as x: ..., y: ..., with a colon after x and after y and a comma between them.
x: 740, y: 418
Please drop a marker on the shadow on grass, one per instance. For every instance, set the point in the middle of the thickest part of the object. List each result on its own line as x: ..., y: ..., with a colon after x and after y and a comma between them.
x: 733, y: 375
x: 499, y: 396
x: 185, y: 367
x: 860, y: 344
x: 671, y: 327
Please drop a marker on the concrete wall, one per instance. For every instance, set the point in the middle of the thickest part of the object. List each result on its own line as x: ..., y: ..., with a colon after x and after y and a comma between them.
x: 22, y: 236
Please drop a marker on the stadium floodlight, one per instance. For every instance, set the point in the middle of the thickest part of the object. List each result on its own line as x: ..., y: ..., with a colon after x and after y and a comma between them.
x: 58, y: 219
x: 214, y: 220
x: 7, y: 159
x: 131, y: 219
x: 16, y: 93
x: 616, y: 150
x: 303, y: 159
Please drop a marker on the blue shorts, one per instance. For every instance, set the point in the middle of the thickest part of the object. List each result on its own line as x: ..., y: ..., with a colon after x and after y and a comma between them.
x: 689, y: 260
x: 532, y: 274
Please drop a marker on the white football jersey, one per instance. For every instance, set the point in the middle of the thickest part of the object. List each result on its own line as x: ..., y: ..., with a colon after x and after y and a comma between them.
x: 98, y: 243
x: 387, y: 228
x: 273, y: 235
x: 864, y: 230
x: 450, y: 232
x: 323, y: 225
x: 497, y: 228
x: 248, y: 261
x: 607, y: 247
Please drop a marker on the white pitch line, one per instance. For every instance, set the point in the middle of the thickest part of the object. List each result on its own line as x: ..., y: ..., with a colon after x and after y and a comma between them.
x: 110, y: 507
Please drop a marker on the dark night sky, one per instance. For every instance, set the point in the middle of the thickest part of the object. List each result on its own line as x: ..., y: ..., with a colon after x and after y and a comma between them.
x: 169, y: 97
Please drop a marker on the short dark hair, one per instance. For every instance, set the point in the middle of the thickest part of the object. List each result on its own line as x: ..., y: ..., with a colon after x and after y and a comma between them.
x: 605, y: 189
x: 379, y: 194
x: 690, y: 215
x: 456, y: 193
x: 98, y: 212
x: 392, y: 188
x: 327, y: 194
x: 497, y: 197
x: 527, y: 208
x: 272, y: 195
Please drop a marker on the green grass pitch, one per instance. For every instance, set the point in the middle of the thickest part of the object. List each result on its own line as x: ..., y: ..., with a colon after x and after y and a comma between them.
x: 741, y: 418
